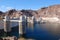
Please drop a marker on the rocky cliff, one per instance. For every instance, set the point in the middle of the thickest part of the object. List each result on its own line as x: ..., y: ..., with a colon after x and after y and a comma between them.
x: 51, y: 11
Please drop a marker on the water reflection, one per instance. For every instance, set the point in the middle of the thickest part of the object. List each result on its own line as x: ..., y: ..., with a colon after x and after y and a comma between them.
x: 45, y: 31
x: 30, y: 26
x: 40, y: 31
x: 53, y: 28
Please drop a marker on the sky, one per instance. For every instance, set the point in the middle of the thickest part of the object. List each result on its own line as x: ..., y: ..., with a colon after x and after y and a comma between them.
x: 26, y: 4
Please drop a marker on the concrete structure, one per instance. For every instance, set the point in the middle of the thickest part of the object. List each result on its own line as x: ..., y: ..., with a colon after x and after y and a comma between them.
x: 21, y: 21
x: 30, y: 19
x: 22, y: 25
x: 30, y: 22
x: 7, y: 27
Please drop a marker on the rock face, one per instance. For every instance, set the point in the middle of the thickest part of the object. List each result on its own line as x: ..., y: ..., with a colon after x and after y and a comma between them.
x: 1, y: 13
x: 51, y: 11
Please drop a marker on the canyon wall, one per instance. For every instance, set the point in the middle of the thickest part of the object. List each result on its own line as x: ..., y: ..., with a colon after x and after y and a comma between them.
x: 51, y: 11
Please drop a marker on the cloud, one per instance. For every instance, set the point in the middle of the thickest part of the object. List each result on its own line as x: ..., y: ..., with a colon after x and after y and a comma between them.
x: 5, y: 8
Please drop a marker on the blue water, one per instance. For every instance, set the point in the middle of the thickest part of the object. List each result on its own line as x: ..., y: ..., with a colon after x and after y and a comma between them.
x: 40, y: 31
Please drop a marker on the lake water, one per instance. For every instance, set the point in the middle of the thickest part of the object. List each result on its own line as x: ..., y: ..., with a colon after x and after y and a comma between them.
x: 45, y: 31
x: 40, y: 31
